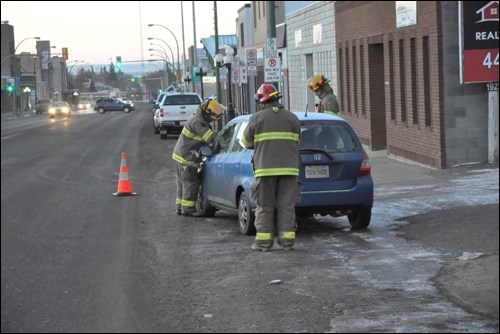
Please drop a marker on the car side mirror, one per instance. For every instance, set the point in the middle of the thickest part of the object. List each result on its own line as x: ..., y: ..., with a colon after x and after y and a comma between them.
x: 205, y: 151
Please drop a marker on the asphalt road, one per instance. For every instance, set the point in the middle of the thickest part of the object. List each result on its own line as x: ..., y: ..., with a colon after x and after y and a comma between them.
x: 75, y: 258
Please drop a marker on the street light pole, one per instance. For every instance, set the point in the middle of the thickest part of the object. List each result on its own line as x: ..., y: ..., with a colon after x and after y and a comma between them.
x: 166, y: 65
x: 37, y: 38
x: 27, y: 90
x: 69, y: 74
x: 187, y: 79
x: 177, y: 44
x: 171, y: 52
x: 226, y: 61
x: 201, y: 71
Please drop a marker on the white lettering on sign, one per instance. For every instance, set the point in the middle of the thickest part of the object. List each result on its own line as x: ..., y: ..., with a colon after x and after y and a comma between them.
x: 272, y: 69
x: 486, y: 35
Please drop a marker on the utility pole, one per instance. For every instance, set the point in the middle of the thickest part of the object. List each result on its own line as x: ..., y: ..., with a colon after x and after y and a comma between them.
x: 271, y: 19
x: 195, y: 45
x: 271, y: 25
x: 183, y: 48
x: 217, y: 69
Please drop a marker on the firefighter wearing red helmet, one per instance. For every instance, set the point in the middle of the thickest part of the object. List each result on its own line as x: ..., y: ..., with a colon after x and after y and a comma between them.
x: 322, y: 89
x: 274, y: 134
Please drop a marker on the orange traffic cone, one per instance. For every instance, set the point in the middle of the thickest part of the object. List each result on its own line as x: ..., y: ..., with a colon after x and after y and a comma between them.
x: 124, y: 185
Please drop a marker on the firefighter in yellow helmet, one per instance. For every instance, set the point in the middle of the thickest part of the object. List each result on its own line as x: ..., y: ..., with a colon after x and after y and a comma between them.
x: 274, y: 134
x: 196, y: 133
x: 322, y: 89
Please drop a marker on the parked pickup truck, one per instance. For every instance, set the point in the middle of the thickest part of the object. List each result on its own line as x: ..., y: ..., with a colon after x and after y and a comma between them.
x: 173, y: 112
x: 42, y: 106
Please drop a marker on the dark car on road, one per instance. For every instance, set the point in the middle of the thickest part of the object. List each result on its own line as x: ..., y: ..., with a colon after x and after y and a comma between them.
x: 42, y: 106
x: 110, y: 104
x: 335, y: 172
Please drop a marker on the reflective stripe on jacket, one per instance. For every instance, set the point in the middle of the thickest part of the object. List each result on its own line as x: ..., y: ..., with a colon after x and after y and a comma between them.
x: 195, y: 133
x: 274, y: 133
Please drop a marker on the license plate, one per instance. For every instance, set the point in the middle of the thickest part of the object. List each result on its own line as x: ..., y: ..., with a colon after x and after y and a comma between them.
x: 163, y: 132
x: 317, y: 172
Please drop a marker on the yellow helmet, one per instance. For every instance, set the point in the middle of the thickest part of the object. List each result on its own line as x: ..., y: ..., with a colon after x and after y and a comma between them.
x: 212, y: 108
x: 316, y: 82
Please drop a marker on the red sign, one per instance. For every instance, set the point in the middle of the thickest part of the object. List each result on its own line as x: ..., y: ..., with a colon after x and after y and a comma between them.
x: 481, y: 65
x: 480, y: 40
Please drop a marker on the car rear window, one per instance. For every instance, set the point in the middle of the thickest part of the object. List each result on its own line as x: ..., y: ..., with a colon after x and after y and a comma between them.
x: 337, y: 137
x: 182, y: 99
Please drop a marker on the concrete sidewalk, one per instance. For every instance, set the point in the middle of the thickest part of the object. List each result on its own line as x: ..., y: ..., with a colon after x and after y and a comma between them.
x: 7, y: 116
x: 461, y: 223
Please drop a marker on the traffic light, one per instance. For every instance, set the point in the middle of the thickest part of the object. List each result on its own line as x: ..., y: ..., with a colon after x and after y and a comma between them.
x: 10, y: 86
x: 65, y: 53
x: 119, y: 62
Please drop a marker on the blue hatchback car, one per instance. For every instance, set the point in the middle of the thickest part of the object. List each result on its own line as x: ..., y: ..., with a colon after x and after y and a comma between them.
x: 335, y: 172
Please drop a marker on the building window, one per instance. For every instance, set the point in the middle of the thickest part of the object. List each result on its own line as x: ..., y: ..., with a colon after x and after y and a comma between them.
x: 427, y: 84
x: 242, y: 35
x: 402, y: 80
x: 362, y: 85
x: 355, y: 78
x: 348, y: 78
x: 414, y: 91
x: 391, y: 81
x: 342, y: 89
x: 254, y: 11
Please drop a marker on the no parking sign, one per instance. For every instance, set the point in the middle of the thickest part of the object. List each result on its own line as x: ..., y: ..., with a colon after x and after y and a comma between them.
x: 272, y: 69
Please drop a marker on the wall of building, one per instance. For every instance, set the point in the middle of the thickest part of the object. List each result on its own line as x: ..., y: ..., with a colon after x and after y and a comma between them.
x: 7, y: 48
x: 465, y: 106
x: 307, y: 55
x: 406, y: 116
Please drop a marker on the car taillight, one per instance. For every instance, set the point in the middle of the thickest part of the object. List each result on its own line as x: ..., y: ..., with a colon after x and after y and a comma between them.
x: 366, y: 167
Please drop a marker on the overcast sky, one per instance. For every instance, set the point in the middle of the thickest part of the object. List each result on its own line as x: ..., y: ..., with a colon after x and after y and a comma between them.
x: 96, y: 31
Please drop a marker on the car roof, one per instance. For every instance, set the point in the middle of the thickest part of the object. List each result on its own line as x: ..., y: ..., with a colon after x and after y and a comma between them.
x: 180, y: 93
x: 303, y: 116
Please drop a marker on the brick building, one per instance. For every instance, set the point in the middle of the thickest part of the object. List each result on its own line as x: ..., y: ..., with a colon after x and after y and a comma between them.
x: 395, y: 67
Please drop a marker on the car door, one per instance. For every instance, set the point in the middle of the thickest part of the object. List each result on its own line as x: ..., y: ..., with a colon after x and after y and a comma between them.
x: 237, y: 167
x: 216, y: 183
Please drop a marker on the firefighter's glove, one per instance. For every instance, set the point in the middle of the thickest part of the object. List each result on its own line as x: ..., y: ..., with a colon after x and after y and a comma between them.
x: 195, y: 153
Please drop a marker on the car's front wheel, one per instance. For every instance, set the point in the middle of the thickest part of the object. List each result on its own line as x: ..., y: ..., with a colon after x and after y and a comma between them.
x: 101, y: 110
x: 360, y: 218
x: 203, y: 206
x: 126, y: 109
x: 246, y: 218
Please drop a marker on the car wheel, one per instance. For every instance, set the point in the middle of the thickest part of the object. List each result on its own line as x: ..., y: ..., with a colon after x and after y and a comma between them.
x: 203, y: 206
x: 246, y: 218
x: 126, y: 109
x: 360, y: 218
x: 101, y: 110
